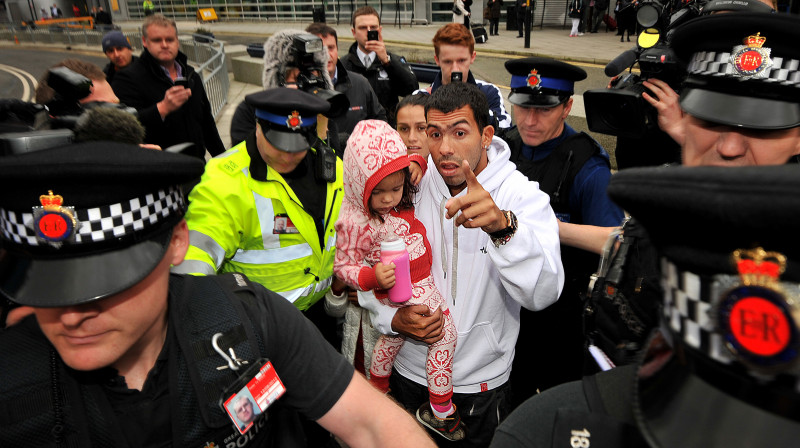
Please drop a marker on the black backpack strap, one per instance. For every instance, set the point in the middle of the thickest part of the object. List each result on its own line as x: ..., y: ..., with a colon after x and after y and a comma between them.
x: 203, y: 307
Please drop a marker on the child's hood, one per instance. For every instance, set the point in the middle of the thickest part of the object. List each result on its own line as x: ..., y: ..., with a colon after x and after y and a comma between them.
x: 374, y: 150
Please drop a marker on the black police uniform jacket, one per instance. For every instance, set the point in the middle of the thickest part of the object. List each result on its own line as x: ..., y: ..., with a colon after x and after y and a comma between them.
x: 364, y: 103
x: 143, y: 84
x: 388, y: 81
x: 45, y: 403
x: 561, y: 360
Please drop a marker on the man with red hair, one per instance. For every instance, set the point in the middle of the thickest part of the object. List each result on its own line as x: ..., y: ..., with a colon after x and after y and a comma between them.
x: 454, y: 52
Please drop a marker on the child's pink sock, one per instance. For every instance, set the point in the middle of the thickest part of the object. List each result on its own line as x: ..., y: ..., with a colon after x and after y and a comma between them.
x: 443, y: 410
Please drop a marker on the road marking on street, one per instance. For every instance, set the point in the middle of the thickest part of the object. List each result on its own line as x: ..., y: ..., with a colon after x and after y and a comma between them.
x: 28, y: 81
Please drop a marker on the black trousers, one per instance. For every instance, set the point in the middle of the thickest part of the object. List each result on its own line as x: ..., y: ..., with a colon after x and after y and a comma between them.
x: 494, y: 26
x: 480, y: 412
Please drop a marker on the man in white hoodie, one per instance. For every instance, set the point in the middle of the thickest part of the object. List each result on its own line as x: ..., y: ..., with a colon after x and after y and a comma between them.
x: 495, y: 247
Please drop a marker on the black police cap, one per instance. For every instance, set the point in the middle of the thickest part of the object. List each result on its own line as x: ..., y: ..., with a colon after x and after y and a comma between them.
x: 742, y: 69
x: 542, y: 82
x: 288, y: 117
x: 730, y: 272
x: 86, y: 221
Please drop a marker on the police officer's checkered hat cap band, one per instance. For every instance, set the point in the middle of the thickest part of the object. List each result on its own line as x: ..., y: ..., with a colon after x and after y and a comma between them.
x: 743, y: 69
x: 731, y: 305
x: 108, y: 223
x: 85, y: 221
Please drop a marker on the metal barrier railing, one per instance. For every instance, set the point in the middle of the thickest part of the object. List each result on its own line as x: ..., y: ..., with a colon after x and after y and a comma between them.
x: 207, y: 54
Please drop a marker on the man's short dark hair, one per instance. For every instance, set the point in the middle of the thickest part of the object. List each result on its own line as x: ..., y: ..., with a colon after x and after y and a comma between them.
x: 45, y: 93
x: 415, y: 99
x: 321, y: 29
x: 364, y: 11
x: 160, y: 20
x: 454, y: 96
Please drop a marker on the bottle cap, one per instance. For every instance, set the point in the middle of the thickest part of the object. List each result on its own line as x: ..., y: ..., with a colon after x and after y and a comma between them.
x: 393, y: 244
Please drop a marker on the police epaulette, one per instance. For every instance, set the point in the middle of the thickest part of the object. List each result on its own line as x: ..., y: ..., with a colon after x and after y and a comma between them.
x: 237, y: 282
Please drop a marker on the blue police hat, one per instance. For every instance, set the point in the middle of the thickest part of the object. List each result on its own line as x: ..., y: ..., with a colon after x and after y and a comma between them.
x: 742, y: 69
x: 288, y: 117
x: 542, y: 82
x: 85, y: 221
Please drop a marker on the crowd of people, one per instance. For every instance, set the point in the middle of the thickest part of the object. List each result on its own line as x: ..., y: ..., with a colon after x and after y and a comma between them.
x: 155, y: 296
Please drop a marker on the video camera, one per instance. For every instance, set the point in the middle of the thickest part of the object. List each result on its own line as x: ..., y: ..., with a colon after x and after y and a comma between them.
x: 309, y: 80
x: 621, y: 110
x: 27, y: 127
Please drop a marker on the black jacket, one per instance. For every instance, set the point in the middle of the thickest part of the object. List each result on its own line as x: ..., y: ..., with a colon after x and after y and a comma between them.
x: 364, y: 103
x: 143, y: 84
x: 388, y: 82
x: 110, y: 70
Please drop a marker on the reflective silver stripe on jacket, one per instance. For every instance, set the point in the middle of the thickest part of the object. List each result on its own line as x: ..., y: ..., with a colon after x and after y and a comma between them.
x: 295, y: 294
x: 270, y: 256
x: 208, y: 245
x: 266, y: 219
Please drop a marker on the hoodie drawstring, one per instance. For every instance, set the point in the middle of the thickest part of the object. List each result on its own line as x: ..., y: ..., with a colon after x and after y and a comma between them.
x: 454, y: 276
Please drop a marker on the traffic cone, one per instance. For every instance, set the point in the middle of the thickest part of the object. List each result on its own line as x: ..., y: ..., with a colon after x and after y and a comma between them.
x: 16, y: 41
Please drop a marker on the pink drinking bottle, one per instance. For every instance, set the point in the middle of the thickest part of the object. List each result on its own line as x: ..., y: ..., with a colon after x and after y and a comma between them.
x: 394, y: 251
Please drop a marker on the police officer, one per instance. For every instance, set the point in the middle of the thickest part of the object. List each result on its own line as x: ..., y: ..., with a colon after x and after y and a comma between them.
x: 267, y: 206
x: 574, y: 170
x: 121, y: 353
x: 724, y: 372
x: 740, y: 108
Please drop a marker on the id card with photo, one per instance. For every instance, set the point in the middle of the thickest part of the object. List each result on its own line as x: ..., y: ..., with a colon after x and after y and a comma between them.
x: 283, y: 224
x: 263, y: 387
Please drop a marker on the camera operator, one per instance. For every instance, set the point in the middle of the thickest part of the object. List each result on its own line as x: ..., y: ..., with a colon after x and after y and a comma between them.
x: 364, y: 104
x: 297, y: 59
x: 99, y: 90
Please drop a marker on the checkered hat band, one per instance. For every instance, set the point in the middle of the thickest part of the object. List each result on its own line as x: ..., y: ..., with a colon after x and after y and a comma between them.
x: 103, y: 223
x: 711, y: 63
x: 690, y: 304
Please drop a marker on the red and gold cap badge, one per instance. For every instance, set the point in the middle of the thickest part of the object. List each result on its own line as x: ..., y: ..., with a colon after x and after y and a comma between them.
x: 758, y: 319
x: 294, y: 121
x: 534, y: 79
x: 751, y: 60
x: 53, y: 222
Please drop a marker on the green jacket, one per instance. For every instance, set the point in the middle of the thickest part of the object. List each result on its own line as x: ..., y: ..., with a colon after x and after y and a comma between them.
x: 232, y: 221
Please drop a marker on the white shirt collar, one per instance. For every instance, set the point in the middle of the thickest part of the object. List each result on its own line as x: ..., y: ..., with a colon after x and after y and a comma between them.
x: 362, y: 55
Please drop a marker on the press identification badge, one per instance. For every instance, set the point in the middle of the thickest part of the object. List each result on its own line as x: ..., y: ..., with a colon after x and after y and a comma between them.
x: 244, y: 402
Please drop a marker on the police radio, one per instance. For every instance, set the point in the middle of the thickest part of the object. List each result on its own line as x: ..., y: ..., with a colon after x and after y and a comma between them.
x: 325, y: 163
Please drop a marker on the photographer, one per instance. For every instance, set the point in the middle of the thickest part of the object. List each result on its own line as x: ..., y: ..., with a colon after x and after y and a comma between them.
x: 389, y: 74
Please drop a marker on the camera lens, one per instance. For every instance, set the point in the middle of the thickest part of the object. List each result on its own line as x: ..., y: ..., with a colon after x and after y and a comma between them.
x: 648, y: 14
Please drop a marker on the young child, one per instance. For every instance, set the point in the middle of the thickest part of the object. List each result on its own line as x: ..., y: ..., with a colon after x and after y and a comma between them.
x: 377, y: 205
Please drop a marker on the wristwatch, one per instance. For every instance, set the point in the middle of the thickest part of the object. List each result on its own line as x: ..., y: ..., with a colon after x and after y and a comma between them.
x: 502, y: 236
x: 388, y: 60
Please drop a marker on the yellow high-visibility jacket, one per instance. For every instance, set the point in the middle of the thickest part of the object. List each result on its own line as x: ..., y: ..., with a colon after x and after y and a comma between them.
x: 232, y: 228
